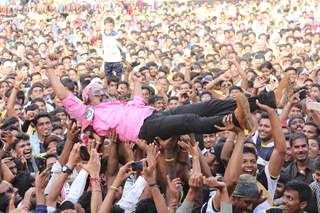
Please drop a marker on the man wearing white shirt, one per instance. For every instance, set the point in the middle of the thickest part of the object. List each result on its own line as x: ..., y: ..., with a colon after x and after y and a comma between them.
x: 111, y: 49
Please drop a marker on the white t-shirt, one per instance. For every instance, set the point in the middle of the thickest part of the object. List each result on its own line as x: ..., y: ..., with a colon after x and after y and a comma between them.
x: 111, y: 47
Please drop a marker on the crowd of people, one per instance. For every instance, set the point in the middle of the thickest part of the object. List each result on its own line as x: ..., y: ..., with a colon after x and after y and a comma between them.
x: 160, y: 106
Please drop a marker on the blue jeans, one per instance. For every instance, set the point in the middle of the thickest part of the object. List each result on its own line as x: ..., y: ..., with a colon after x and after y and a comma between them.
x: 113, y: 66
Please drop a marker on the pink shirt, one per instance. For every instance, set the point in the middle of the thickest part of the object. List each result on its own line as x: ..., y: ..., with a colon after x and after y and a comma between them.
x: 125, y: 118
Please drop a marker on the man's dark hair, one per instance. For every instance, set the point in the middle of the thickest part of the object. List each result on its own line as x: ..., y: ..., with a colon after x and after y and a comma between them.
x: 206, y: 93
x: 20, y: 137
x: 50, y: 139
x: 302, y: 188
x: 173, y: 98
x: 4, y: 201
x: 35, y: 73
x: 146, y: 206
x: 125, y: 83
x: 31, y: 107
x: 117, y: 209
x: 310, y: 123
x: 290, y: 68
x: 59, y: 110
x: 9, y: 122
x: 296, y: 136
x: 251, y: 150
x: 264, y: 115
x: 38, y: 100
x: 23, y: 181
x: 295, y: 118
x: 35, y: 85
x: 69, y: 84
x: 41, y: 115
x: 109, y: 20
x: 234, y: 87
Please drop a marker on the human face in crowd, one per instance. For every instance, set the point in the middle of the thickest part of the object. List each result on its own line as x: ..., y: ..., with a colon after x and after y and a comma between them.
x: 112, y: 88
x: 18, y: 110
x: 209, y: 140
x: 297, y: 125
x: 146, y: 96
x: 36, y: 78
x: 292, y: 202
x: 314, y: 150
x: 205, y: 98
x: 314, y: 93
x: 163, y: 84
x: 295, y: 111
x: 44, y: 126
x: 23, y: 148
x: 50, y: 161
x: 279, y: 190
x: 42, y: 106
x: 317, y: 175
x: 264, y: 130
x: 58, y: 132
x: 63, y: 117
x: 4, y: 86
x: 249, y: 164
x: 300, y: 149
x: 159, y: 105
x: 288, y: 155
x: 6, y: 187
x: 52, y: 147
x: 123, y: 90
x: 243, y: 205
x: 310, y: 130
x: 173, y: 103
x: 37, y: 92
x: 109, y: 27
x: 96, y: 97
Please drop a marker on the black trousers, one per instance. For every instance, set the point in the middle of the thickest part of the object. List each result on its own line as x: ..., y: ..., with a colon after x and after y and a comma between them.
x: 198, y: 118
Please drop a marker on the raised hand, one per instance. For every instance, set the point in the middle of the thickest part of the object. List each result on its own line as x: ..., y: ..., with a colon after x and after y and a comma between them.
x: 212, y: 182
x: 174, y: 186
x: 196, y: 181
x: 228, y: 124
x: 93, y: 166
x: 264, y: 107
x: 74, y: 156
x: 42, y: 179
x: 124, y: 172
x: 73, y: 131
x: 150, y: 164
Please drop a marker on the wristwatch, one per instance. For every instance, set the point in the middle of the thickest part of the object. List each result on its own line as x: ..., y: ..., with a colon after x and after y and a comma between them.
x: 67, y: 169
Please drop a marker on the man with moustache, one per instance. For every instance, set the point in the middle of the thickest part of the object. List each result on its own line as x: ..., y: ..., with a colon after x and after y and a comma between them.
x: 296, y: 124
x: 302, y: 167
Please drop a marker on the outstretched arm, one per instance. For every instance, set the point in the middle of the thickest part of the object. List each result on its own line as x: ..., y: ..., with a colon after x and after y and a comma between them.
x: 13, y: 96
x: 56, y: 84
x: 277, y: 157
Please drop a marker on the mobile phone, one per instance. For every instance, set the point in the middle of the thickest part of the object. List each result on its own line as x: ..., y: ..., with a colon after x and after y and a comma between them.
x: 84, y: 153
x: 137, y: 166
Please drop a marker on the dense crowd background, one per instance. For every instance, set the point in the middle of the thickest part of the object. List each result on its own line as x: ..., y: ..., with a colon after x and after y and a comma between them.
x: 188, y: 52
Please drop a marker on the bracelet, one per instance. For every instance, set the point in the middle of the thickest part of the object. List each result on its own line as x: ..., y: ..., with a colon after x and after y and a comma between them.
x: 96, y: 190
x: 113, y: 188
x: 169, y: 159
